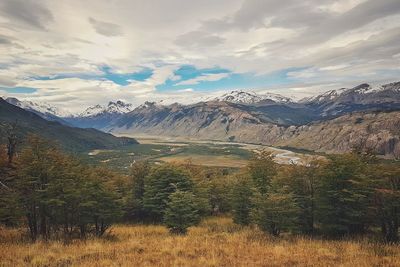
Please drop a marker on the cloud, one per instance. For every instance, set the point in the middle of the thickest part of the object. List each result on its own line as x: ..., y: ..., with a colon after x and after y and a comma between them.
x: 28, y: 13
x: 198, y: 39
x: 186, y: 90
x: 209, y: 77
x: 60, y: 47
x: 106, y: 28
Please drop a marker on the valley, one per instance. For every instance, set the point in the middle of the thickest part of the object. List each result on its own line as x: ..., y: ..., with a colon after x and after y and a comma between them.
x: 209, y: 153
x: 199, y: 133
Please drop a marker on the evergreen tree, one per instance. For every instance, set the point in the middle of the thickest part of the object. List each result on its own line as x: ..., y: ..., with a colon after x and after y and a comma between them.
x: 344, y: 196
x: 9, y: 206
x: 159, y: 184
x: 58, y: 194
x: 277, y: 211
x: 241, y: 198
x: 262, y: 169
x: 134, y: 209
x: 181, y: 212
x: 387, y: 200
x: 303, y: 181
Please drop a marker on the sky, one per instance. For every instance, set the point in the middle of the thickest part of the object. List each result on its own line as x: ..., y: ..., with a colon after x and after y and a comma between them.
x: 77, y: 53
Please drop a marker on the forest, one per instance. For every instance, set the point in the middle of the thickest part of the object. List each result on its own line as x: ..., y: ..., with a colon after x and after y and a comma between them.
x: 50, y: 195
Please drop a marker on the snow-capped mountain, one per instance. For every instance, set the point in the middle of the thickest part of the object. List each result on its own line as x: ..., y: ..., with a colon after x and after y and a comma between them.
x: 360, y: 98
x: 99, y: 116
x: 326, y: 96
x: 243, y: 97
x: 118, y: 107
x: 362, y: 90
x: 38, y: 107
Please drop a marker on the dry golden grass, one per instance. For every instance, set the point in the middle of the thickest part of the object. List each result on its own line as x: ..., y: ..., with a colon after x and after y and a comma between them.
x: 213, y: 161
x: 216, y: 242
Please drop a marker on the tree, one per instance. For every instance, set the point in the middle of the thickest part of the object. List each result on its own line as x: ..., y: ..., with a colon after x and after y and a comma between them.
x: 262, y: 169
x: 159, y: 184
x: 134, y: 209
x: 387, y: 200
x: 100, y: 208
x: 276, y: 211
x: 303, y: 181
x: 241, y: 198
x: 12, y: 142
x: 37, y: 160
x: 181, y: 212
x: 343, y: 196
x: 59, y: 194
x: 9, y: 208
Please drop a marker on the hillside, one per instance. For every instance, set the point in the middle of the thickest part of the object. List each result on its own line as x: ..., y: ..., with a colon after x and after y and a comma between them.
x: 70, y: 138
x: 379, y: 131
x: 224, y: 121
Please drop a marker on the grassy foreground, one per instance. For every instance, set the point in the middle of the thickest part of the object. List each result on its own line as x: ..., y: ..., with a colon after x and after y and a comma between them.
x: 216, y: 242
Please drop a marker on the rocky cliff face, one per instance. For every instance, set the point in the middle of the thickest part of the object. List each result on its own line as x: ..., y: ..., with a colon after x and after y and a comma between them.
x: 209, y: 120
x: 379, y: 131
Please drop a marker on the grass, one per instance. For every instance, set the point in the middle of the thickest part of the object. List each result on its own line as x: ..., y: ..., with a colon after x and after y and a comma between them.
x: 202, y: 154
x: 216, y: 242
x: 211, y: 161
x: 207, y: 153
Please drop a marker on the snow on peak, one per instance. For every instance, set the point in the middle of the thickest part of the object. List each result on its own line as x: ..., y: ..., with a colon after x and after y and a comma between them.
x: 361, y: 89
x: 243, y: 97
x: 39, y: 107
x: 118, y: 107
x: 147, y: 104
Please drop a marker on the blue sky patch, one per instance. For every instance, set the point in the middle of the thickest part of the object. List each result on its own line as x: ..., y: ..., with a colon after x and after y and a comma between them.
x: 18, y: 90
x: 123, y: 79
x: 118, y: 78
x: 233, y: 81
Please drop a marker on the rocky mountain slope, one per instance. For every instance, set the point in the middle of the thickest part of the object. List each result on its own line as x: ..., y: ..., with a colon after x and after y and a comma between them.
x: 206, y: 120
x: 70, y: 138
x: 360, y: 98
x: 377, y: 131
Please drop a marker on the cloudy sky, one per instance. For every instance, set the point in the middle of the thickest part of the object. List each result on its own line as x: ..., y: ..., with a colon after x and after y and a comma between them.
x: 75, y: 53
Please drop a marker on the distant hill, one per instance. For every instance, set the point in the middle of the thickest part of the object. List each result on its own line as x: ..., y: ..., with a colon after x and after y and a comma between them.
x: 70, y: 138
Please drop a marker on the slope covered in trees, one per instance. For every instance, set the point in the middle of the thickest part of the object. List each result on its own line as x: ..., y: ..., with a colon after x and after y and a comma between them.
x: 70, y: 138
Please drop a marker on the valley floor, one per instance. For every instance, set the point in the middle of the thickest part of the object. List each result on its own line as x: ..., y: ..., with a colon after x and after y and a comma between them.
x: 215, y: 242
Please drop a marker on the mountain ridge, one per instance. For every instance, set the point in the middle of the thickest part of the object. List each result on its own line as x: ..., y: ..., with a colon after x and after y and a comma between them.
x: 245, y: 117
x: 70, y: 138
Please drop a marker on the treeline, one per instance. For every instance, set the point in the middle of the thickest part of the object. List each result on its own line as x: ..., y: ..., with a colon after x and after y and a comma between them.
x: 345, y: 195
x: 54, y: 195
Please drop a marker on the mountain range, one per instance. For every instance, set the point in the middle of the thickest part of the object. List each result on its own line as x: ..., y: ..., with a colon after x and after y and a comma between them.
x: 332, y: 122
x: 70, y: 138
